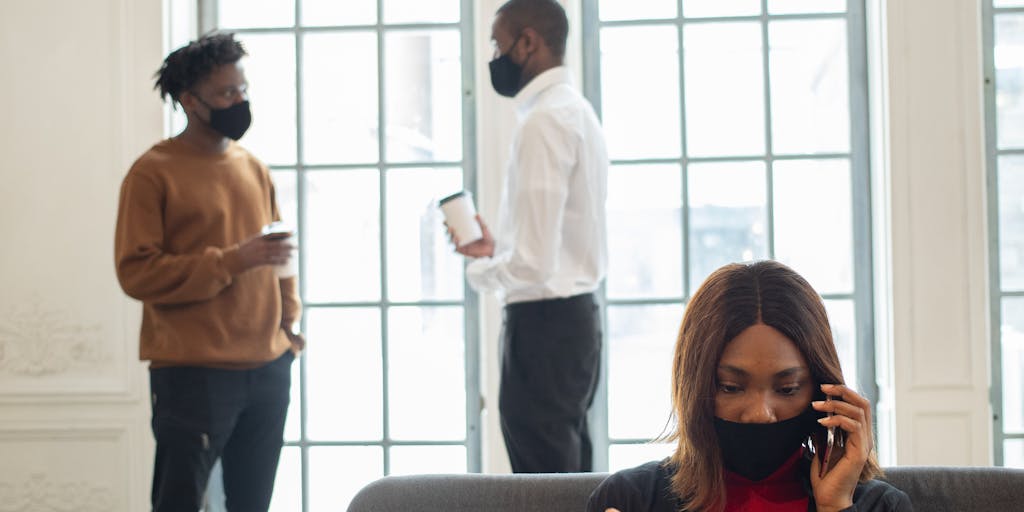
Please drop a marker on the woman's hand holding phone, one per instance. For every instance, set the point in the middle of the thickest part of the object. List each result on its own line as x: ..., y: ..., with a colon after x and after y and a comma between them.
x: 851, y: 414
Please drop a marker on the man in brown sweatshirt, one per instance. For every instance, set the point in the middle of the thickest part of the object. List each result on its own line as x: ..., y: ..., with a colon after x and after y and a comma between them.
x: 217, y: 321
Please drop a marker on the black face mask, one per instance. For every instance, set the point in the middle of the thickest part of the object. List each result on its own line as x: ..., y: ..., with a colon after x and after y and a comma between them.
x: 505, y: 74
x: 756, y: 450
x: 231, y: 122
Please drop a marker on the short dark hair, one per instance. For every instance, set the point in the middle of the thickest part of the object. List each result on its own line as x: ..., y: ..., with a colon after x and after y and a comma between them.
x: 191, y: 63
x: 547, y: 17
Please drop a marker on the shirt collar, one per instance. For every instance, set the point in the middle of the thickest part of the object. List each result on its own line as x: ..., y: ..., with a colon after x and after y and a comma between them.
x: 528, y: 95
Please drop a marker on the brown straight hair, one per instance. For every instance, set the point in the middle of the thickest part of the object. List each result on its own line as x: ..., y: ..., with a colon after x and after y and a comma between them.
x: 731, y: 299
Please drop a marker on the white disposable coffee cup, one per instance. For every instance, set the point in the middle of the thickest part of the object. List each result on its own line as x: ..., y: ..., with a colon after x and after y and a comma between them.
x: 281, y: 231
x: 460, y: 215
x: 290, y: 269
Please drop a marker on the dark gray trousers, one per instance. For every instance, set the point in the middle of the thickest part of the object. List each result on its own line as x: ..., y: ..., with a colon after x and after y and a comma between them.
x: 202, y: 414
x: 549, y: 371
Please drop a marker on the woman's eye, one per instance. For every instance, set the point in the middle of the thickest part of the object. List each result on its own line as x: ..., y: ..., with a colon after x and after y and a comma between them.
x: 728, y: 388
x: 789, y: 390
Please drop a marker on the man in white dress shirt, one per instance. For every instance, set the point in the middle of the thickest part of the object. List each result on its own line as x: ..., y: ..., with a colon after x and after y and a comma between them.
x: 549, y: 254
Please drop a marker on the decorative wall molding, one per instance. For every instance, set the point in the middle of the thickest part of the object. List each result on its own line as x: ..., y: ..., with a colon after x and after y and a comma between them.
x: 74, y: 414
x: 952, y: 429
x: 39, y: 493
x: 37, y: 341
x: 64, y: 465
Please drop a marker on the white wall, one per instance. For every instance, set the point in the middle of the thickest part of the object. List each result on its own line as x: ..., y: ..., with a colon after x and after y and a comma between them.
x: 77, y: 106
x: 76, y: 109
x: 495, y: 118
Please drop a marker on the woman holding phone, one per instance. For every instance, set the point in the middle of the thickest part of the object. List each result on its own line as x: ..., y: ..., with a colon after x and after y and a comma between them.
x: 763, y: 421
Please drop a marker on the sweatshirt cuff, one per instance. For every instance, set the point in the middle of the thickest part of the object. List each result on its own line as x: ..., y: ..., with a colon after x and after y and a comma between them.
x: 232, y: 260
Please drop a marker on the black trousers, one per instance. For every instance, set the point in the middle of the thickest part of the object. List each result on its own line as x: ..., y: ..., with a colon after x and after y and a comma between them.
x: 549, y: 370
x: 202, y: 414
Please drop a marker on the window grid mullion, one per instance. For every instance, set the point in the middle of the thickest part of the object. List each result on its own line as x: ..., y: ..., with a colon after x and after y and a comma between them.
x: 474, y: 398
x: 300, y: 193
x: 725, y: 159
x: 385, y: 311
x: 378, y: 442
x: 769, y: 167
x: 1005, y: 10
x: 344, y: 28
x: 684, y: 161
x: 996, y: 295
x: 680, y: 20
x: 368, y: 165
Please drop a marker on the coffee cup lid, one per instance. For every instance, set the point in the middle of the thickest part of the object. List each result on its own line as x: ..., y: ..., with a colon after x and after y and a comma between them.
x: 453, y: 197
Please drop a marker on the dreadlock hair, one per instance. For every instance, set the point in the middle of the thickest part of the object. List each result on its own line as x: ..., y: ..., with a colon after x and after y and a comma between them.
x: 191, y: 63
x: 547, y: 17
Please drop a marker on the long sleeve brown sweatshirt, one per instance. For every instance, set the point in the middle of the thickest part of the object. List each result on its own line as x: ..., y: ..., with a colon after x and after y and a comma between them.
x: 181, y: 217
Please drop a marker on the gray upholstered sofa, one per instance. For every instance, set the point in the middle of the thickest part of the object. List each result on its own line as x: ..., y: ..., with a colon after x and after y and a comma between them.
x: 932, y: 489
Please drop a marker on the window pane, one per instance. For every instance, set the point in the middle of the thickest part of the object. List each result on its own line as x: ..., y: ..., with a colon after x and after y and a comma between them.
x: 288, y: 483
x: 844, y: 334
x: 343, y: 235
x: 343, y: 371
x: 270, y: 70
x: 339, y: 87
x: 1013, y: 453
x: 724, y: 89
x: 424, y: 460
x: 1011, y: 222
x: 292, y: 424
x: 1012, y: 334
x: 1007, y: 3
x: 625, y: 456
x: 640, y: 97
x: 714, y: 8
x: 337, y: 473
x: 421, y: 11
x: 333, y: 12
x: 810, y: 98
x: 423, y: 96
x: 421, y: 262
x: 644, y: 231
x: 642, y: 340
x: 728, y: 215
x: 426, y: 373
x: 632, y: 10
x: 285, y: 186
x: 1009, y: 63
x: 805, y: 6
x: 813, y: 222
x: 255, y: 13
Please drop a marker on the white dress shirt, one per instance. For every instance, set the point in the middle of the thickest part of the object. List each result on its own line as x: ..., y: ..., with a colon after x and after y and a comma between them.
x: 550, y: 239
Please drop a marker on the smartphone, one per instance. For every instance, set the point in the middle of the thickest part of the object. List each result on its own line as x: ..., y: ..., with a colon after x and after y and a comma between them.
x: 276, y: 231
x: 829, y: 443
